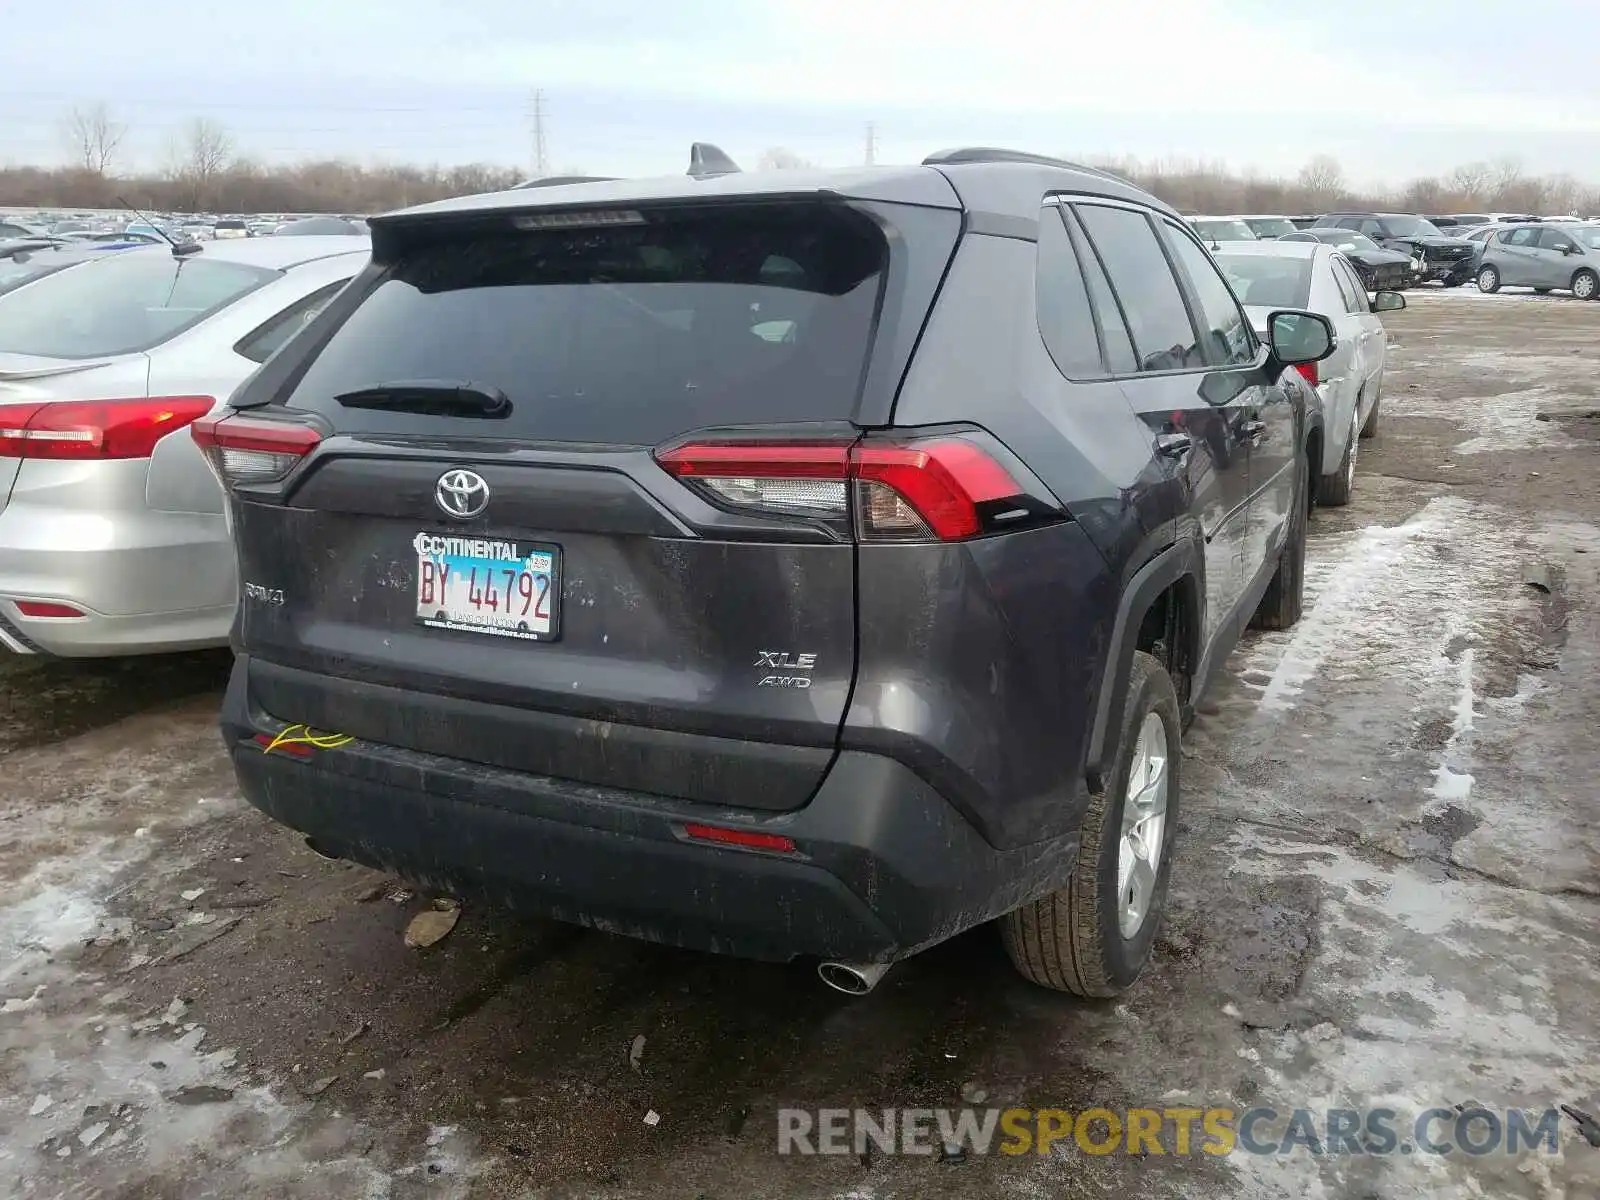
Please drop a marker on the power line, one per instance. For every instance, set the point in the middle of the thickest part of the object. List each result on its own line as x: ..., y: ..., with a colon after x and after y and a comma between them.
x: 541, y: 157
x: 872, y: 142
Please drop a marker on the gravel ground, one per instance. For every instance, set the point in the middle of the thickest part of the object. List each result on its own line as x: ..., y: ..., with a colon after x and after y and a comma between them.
x: 1387, y: 894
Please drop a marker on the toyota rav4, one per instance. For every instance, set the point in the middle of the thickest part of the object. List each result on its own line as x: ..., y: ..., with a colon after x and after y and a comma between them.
x: 782, y: 564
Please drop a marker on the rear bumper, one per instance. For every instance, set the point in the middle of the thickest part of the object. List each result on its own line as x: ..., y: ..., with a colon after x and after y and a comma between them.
x: 885, y: 865
x: 146, y: 582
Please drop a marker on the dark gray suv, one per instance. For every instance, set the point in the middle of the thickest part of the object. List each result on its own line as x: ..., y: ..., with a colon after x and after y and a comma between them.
x: 788, y: 564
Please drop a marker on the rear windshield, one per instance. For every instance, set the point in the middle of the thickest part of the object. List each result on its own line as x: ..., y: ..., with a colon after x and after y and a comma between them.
x: 628, y: 333
x: 1218, y: 229
x: 1264, y: 281
x: 1270, y: 227
x: 13, y: 274
x: 121, y: 304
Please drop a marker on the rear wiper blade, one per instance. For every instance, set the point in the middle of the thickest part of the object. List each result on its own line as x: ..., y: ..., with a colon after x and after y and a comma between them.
x: 431, y: 397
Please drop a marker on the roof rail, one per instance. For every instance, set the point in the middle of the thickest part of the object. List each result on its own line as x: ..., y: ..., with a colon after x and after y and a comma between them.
x: 562, y: 180
x: 992, y: 154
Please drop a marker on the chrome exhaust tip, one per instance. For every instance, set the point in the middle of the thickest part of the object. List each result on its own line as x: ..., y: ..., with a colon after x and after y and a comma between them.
x: 853, y: 979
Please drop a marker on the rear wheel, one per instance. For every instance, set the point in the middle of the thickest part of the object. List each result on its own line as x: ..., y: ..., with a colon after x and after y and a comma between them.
x: 1280, y: 608
x: 1370, y: 427
x: 1454, y: 280
x: 1093, y: 937
x: 1334, y: 490
x: 1586, y: 284
x: 1488, y: 279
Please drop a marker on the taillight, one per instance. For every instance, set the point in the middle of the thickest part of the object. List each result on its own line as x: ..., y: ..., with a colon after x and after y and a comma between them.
x: 243, y: 449
x: 914, y: 491
x: 1309, y: 371
x: 95, y: 429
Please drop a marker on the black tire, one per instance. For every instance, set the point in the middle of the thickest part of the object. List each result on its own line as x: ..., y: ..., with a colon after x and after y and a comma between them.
x: 1072, y: 940
x: 1369, y: 427
x: 1451, y: 281
x: 1335, y: 490
x: 1284, y: 601
x: 1586, y: 284
x: 1488, y: 279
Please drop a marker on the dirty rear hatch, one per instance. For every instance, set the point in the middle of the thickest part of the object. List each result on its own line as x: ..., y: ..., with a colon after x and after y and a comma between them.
x: 581, y: 613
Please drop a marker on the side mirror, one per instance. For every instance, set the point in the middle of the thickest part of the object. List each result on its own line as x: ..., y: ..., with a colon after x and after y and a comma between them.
x: 1388, y: 302
x: 1299, y: 337
x: 1569, y: 248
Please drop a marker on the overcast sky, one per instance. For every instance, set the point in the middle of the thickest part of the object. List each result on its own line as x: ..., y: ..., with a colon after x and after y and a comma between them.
x: 1393, y: 88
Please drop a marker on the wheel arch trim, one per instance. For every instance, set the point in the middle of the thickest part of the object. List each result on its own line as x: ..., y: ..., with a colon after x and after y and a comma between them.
x: 1179, y: 563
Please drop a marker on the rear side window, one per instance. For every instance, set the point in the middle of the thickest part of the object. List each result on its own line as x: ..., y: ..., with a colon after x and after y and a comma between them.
x: 1526, y: 236
x: 1065, y: 321
x: 1227, y: 340
x: 624, y: 333
x: 121, y: 304
x: 1351, y: 288
x: 1163, y: 335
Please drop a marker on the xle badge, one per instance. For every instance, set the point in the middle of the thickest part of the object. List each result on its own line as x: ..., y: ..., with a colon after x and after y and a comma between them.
x: 797, y: 668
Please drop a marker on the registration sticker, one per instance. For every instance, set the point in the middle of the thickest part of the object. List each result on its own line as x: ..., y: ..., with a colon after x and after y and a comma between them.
x: 480, y: 585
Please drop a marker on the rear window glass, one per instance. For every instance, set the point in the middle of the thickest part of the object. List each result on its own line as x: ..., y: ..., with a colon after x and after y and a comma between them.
x: 13, y: 274
x: 1265, y: 281
x: 120, y: 304
x: 626, y: 333
x: 1270, y: 227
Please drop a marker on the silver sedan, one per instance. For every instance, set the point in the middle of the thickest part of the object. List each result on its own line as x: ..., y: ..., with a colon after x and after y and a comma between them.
x: 1316, y: 277
x: 112, y: 533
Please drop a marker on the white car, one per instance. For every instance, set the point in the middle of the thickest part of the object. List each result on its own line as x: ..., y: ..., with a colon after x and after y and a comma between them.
x: 1313, y: 276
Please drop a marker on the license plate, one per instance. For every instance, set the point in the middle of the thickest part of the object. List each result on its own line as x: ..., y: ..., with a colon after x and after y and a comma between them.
x: 480, y: 585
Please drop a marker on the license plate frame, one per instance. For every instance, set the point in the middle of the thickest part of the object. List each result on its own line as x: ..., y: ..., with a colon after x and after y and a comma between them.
x: 452, y: 570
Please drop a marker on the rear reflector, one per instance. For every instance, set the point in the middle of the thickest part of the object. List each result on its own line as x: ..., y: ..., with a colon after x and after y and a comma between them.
x: 1310, y: 372
x: 916, y: 491
x: 48, y: 608
x: 95, y: 429
x: 740, y: 837
x: 244, y: 449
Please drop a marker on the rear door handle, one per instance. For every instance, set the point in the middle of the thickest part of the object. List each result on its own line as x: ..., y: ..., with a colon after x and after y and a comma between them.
x: 1251, y: 431
x: 1173, y: 445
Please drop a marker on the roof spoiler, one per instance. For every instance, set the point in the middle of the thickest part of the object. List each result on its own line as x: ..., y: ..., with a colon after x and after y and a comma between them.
x: 707, y: 161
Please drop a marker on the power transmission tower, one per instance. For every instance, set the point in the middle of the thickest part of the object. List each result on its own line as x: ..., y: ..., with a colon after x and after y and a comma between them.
x: 541, y: 157
x: 872, y: 142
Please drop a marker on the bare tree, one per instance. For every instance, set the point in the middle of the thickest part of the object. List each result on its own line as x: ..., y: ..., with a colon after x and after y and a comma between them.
x: 197, y: 155
x: 92, y: 136
x: 1470, y: 181
x: 1322, y: 179
x: 779, y: 159
x: 1505, y: 177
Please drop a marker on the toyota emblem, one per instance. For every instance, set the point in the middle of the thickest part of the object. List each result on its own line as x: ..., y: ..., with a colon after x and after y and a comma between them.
x: 461, y: 494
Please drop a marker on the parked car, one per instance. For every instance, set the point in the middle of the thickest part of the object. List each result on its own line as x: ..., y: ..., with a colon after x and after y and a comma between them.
x: 1318, y: 278
x: 1267, y: 227
x: 894, y: 631
x: 112, y: 538
x: 1447, y: 259
x: 230, y: 228
x: 1303, y: 221
x: 13, y: 230
x: 1222, y: 229
x: 1543, y: 257
x: 1379, y: 269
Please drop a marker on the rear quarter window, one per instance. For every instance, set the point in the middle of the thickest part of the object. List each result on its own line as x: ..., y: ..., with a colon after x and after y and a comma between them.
x: 737, y: 315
